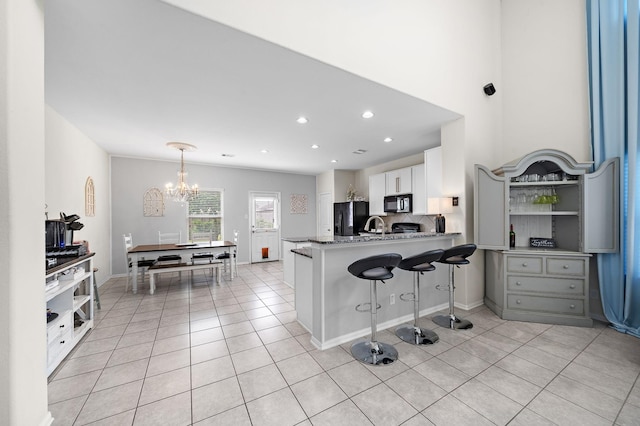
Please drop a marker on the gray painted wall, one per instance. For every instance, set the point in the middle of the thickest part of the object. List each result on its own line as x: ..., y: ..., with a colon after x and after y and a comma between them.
x: 131, y: 178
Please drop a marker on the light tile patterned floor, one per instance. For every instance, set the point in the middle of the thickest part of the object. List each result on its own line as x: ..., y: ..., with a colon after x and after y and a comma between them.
x: 233, y: 354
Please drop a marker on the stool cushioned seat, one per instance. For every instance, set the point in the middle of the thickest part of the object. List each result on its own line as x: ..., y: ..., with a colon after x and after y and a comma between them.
x: 458, y: 255
x: 379, y: 266
x: 421, y: 262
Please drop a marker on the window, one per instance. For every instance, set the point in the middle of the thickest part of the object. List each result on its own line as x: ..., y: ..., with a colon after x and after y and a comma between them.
x: 205, y: 214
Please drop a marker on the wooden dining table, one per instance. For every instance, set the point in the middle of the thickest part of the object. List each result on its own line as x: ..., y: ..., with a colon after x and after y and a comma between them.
x: 149, y: 251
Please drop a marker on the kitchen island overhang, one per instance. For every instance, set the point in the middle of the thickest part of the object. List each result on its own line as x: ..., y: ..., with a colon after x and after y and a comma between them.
x: 329, y: 294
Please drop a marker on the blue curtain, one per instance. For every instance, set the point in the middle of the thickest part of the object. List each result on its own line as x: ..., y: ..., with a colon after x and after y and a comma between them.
x: 613, y: 37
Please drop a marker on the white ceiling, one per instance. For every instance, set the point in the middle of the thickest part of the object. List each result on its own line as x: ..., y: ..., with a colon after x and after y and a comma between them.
x: 134, y: 75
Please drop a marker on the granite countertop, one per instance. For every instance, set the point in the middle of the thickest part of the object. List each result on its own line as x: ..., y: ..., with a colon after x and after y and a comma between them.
x: 304, y: 251
x: 297, y: 239
x: 370, y: 237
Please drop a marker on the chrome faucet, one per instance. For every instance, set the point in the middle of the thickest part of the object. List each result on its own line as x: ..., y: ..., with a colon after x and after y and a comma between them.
x: 366, y: 225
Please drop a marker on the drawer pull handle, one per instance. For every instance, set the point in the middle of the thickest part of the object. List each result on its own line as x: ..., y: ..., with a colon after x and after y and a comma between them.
x: 518, y: 283
x: 518, y: 301
x: 62, y: 342
x: 524, y: 264
x: 572, y: 306
x: 565, y: 266
x: 572, y: 286
x: 61, y: 325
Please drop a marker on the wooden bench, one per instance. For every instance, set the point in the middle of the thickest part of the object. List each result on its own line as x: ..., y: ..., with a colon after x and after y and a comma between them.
x: 179, y: 267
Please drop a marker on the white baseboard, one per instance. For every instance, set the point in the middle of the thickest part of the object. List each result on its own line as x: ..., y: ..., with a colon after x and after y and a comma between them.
x: 469, y: 306
x: 367, y: 331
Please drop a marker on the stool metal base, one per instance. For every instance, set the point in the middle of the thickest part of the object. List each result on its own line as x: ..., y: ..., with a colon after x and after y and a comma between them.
x: 416, y: 335
x: 383, y: 354
x: 453, y: 322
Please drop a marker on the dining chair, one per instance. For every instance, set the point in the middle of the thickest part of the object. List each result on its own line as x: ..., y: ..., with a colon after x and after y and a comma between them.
x: 230, y: 258
x: 143, y: 264
x: 169, y: 238
x: 204, y: 237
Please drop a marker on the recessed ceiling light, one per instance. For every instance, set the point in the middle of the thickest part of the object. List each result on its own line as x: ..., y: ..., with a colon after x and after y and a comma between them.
x: 367, y: 114
x: 334, y: 161
x: 314, y: 146
x: 302, y: 120
x: 264, y: 151
x: 387, y: 140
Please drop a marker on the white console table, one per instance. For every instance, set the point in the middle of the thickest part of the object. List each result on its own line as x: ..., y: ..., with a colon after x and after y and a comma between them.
x: 68, y: 291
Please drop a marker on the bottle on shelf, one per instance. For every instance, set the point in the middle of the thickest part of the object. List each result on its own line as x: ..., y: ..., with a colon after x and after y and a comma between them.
x: 512, y: 237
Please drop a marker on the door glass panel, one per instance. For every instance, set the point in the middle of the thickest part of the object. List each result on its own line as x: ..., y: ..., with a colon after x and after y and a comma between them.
x: 264, y: 213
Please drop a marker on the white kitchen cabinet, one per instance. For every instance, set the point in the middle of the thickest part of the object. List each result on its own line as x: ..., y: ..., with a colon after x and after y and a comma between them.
x: 398, y: 181
x: 376, y: 194
x: 427, y: 183
x: 69, y: 294
x: 544, y: 195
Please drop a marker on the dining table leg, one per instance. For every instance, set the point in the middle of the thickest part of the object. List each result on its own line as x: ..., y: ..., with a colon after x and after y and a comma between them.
x: 134, y: 272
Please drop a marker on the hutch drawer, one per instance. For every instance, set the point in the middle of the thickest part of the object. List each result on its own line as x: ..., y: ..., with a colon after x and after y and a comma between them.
x: 517, y: 283
x: 566, y: 266
x: 524, y: 264
x: 545, y: 304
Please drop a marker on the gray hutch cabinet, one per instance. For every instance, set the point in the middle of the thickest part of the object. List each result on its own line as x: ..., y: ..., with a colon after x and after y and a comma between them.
x: 560, y: 214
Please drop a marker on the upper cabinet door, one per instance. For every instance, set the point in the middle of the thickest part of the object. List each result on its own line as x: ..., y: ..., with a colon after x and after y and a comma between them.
x: 398, y: 181
x: 601, y: 206
x: 419, y: 188
x: 490, y: 210
x: 376, y: 194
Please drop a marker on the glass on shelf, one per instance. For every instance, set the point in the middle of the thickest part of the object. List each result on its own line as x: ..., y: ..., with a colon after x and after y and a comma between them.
x: 533, y: 200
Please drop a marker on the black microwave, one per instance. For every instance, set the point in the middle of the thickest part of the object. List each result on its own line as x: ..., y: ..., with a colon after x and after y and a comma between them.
x: 398, y: 203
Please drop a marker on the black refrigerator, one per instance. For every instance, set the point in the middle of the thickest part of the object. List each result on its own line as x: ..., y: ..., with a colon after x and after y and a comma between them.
x: 349, y: 218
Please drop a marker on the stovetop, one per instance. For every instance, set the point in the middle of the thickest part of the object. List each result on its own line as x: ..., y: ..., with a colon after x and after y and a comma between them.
x: 404, y: 227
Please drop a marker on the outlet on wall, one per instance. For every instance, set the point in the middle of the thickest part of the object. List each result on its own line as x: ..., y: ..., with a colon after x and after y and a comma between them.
x: 392, y: 299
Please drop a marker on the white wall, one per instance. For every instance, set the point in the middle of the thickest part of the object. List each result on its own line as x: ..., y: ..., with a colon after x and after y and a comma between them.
x: 70, y: 158
x: 23, y: 351
x: 131, y: 178
x: 342, y: 180
x: 545, y: 86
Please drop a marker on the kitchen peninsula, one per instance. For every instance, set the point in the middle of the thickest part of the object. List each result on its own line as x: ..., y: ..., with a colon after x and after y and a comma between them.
x: 326, y: 294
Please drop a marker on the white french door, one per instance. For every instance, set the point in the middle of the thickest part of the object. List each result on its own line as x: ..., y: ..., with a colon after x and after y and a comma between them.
x: 264, y: 208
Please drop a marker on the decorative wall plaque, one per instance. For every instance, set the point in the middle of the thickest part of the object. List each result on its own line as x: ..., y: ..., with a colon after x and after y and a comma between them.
x: 299, y: 204
x: 153, y: 203
x: 89, y: 198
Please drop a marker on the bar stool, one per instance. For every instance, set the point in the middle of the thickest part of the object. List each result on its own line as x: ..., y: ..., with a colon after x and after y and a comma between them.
x: 455, y: 256
x: 417, y: 264
x: 374, y: 268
